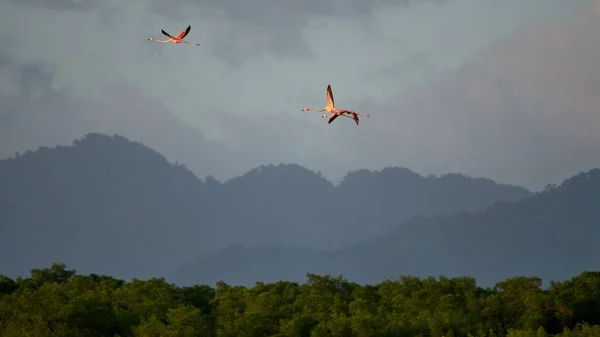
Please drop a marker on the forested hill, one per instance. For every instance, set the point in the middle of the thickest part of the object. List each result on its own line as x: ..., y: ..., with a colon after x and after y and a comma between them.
x: 60, y: 302
x: 104, y: 203
x: 552, y: 234
x: 116, y: 207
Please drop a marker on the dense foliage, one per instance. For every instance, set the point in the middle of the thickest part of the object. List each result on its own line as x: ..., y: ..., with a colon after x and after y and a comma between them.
x: 58, y: 302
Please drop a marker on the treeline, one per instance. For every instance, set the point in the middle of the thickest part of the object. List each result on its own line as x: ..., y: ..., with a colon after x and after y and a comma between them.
x: 58, y: 302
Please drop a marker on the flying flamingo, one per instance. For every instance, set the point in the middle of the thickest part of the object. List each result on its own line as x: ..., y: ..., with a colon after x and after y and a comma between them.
x: 333, y: 112
x: 175, y: 39
x: 343, y: 112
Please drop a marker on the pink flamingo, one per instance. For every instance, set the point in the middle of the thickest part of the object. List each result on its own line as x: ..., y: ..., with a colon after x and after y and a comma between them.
x: 175, y: 39
x: 333, y: 112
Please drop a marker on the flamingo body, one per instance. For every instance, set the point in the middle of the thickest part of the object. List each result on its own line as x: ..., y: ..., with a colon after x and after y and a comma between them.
x: 175, y: 39
x: 333, y: 112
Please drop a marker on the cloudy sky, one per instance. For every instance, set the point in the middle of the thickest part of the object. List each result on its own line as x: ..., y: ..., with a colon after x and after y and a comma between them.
x: 501, y: 89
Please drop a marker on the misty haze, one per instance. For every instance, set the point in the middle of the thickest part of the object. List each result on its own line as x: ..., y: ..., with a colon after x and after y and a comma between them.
x: 172, y: 189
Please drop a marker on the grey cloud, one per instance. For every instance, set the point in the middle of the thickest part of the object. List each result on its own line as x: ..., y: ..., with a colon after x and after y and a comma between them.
x: 30, y: 81
x: 503, y: 116
x: 238, y: 45
x: 272, y: 13
x: 268, y: 139
x: 271, y: 26
x: 415, y: 65
x: 34, y: 81
x: 60, y: 4
x: 5, y: 58
x: 40, y: 115
x: 34, y: 100
x: 37, y: 114
x: 524, y: 112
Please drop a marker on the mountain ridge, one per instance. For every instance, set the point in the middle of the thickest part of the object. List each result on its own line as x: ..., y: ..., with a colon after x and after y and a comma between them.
x: 121, y: 208
x: 254, y: 170
x: 551, y: 233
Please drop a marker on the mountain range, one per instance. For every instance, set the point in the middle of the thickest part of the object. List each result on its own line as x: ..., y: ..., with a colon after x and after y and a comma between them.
x: 113, y: 206
x: 551, y: 234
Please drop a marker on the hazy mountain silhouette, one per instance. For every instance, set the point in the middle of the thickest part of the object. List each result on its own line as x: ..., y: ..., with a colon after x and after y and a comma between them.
x: 104, y: 203
x: 113, y: 206
x: 551, y: 234
x: 298, y: 207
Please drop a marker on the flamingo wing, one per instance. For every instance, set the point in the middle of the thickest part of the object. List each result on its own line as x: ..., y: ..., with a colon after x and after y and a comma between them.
x: 332, y: 118
x: 355, y: 117
x: 184, y: 33
x: 166, y: 34
x: 329, y: 95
